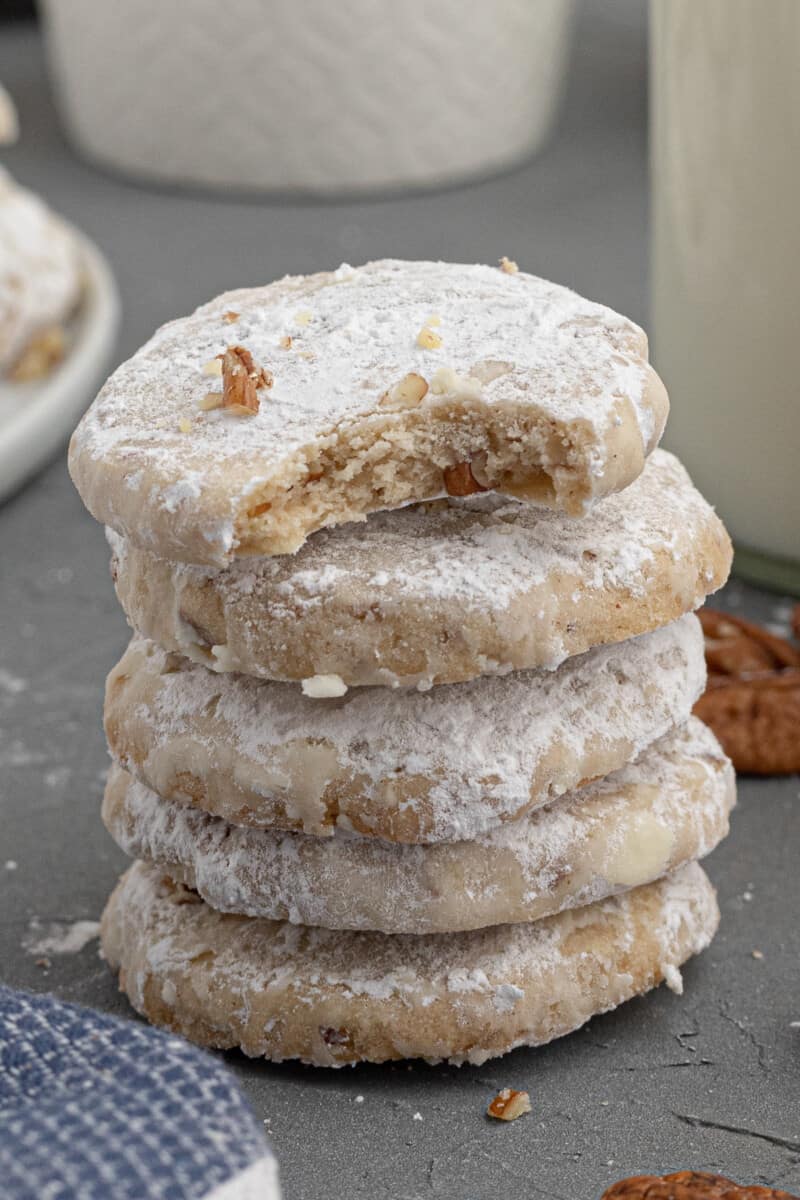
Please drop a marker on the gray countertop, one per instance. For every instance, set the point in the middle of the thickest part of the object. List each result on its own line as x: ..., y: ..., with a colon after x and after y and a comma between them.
x: 708, y: 1080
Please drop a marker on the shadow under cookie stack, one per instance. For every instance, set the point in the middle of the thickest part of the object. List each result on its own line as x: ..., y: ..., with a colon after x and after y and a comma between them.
x: 403, y: 740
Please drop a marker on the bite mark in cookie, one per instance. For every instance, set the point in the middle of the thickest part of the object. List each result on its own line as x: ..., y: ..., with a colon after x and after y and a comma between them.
x: 570, y: 417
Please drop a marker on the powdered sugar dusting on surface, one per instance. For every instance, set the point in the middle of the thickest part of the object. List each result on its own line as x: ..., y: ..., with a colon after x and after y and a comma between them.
x: 293, y: 967
x: 60, y: 937
x: 483, y: 552
x: 352, y: 882
x: 576, y: 360
x: 477, y: 745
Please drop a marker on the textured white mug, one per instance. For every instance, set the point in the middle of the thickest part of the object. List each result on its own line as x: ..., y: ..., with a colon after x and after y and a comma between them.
x: 318, y: 96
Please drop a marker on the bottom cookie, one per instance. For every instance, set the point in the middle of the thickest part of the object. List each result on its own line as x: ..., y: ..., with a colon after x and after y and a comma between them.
x: 330, y: 998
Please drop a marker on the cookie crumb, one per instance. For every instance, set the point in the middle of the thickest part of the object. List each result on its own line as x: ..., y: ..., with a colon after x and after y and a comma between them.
x: 509, y: 1104
x: 673, y: 978
x: 185, y: 425
x: 285, y: 342
x: 758, y: 954
x: 508, y: 266
x: 230, y: 317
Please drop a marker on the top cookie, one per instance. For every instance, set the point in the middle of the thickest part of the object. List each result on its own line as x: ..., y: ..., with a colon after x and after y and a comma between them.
x: 363, y: 389
x: 40, y: 272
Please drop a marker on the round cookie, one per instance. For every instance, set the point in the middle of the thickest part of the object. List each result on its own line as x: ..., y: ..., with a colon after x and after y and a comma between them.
x: 326, y: 997
x: 362, y: 389
x: 443, y: 765
x: 40, y: 278
x: 441, y: 593
x: 669, y: 808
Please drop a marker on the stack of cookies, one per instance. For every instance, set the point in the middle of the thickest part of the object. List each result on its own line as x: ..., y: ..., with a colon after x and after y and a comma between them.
x: 403, y: 740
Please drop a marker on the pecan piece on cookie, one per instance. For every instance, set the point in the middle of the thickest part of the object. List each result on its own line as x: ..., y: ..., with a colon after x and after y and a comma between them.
x: 689, y: 1185
x: 460, y: 481
x: 241, y: 380
x: 752, y: 701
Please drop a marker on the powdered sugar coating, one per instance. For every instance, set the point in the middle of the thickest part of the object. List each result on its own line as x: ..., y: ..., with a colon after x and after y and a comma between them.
x: 335, y: 997
x: 481, y: 551
x: 40, y: 271
x: 650, y: 817
x: 353, y: 335
x: 447, y: 590
x: 443, y: 765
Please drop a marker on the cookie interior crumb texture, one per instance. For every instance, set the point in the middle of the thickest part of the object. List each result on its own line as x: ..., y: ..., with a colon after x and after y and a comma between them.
x: 525, y: 388
x: 330, y: 998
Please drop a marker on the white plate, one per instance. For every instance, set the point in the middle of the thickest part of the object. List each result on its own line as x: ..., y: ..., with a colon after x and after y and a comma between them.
x: 36, y: 418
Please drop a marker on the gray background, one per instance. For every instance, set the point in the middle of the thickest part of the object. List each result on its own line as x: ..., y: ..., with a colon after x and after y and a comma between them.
x: 710, y: 1080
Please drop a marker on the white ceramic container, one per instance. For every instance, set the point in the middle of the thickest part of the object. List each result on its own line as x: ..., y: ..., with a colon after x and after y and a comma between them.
x: 318, y: 96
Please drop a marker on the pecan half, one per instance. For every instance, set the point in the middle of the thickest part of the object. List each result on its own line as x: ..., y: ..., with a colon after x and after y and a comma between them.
x: 752, y: 700
x: 689, y: 1185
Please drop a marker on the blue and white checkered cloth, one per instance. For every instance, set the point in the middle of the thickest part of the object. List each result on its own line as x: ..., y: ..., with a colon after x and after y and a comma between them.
x: 93, y: 1108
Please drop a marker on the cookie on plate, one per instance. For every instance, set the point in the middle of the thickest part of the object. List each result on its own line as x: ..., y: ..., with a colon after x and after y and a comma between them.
x: 332, y: 997
x: 645, y: 820
x: 40, y: 282
x: 443, y: 765
x: 441, y: 592
x: 362, y: 389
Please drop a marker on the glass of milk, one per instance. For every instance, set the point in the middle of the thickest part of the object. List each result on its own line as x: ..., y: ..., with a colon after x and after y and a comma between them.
x: 725, y: 137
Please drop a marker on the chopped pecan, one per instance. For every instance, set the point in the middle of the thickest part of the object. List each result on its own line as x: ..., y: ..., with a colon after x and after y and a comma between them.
x: 428, y: 339
x: 241, y: 380
x: 508, y: 1105
x: 406, y: 393
x: 459, y: 480
x: 689, y: 1185
x: 210, y: 401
